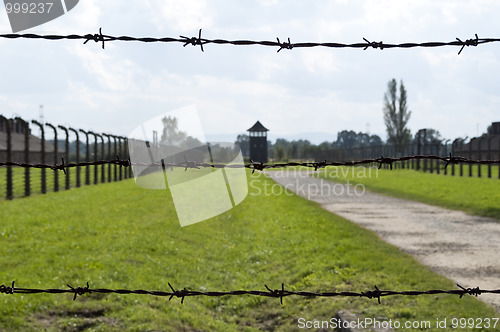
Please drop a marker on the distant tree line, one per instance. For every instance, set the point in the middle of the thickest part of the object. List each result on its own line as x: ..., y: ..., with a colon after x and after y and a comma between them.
x: 301, y: 149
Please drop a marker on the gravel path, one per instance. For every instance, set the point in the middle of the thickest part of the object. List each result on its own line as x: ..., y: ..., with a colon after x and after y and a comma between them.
x: 459, y: 246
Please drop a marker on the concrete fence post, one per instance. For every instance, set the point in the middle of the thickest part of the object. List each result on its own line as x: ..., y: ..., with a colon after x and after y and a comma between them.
x: 109, y: 155
x: 42, y: 156
x: 56, y: 173
x: 77, y: 156
x: 96, y: 175
x: 27, y: 185
x: 87, y: 156
x: 9, y: 185
x: 66, y: 154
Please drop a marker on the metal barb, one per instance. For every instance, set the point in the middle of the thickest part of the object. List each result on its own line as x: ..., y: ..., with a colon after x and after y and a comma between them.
x: 468, y: 42
x: 193, y: 41
x: 287, y: 45
x: 373, y: 44
x: 97, y: 37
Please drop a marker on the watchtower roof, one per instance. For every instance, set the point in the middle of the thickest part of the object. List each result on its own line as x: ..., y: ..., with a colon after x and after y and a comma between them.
x: 258, y: 127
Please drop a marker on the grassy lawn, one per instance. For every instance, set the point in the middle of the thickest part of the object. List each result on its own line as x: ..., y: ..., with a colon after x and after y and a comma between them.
x: 118, y: 235
x: 479, y: 196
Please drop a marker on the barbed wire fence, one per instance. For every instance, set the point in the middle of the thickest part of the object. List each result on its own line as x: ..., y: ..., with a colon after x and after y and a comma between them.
x: 288, y: 45
x: 281, y: 293
x: 18, y: 146
x: 260, y: 166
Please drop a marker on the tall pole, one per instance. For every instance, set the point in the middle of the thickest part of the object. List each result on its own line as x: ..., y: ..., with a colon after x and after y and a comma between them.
x: 95, y: 156
x: 470, y: 156
x: 425, y: 148
x: 120, y: 153
x: 66, y: 154
x: 56, y: 173
x: 109, y: 155
x: 489, y: 154
x: 87, y: 156
x: 42, y: 155
x: 445, y: 154
x: 418, y: 147
x: 479, y: 156
x: 453, y: 144
x: 77, y: 156
x: 125, y: 155
x: 462, y: 140
x: 10, y: 191
x: 27, y: 187
x: 102, y: 157
x: 116, y: 153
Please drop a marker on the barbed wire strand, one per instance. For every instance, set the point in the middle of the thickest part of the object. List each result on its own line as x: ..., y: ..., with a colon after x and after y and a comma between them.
x: 375, y: 293
x: 259, y: 166
x: 199, y: 41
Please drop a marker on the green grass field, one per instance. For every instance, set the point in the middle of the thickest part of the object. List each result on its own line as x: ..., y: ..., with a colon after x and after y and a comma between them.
x: 479, y: 196
x: 118, y: 235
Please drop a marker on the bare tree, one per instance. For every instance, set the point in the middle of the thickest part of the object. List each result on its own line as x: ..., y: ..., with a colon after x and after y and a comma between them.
x: 396, y: 116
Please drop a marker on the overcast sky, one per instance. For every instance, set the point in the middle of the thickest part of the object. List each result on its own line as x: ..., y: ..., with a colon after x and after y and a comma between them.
x: 295, y: 91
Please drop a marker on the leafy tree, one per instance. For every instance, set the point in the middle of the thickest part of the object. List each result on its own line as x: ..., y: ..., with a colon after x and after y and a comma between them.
x: 396, y: 116
x: 346, y: 139
x: 432, y: 136
x: 280, y: 153
x: 171, y: 134
x: 243, y: 141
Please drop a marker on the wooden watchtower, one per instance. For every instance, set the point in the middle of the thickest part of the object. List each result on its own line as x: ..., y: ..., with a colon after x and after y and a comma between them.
x: 258, y: 142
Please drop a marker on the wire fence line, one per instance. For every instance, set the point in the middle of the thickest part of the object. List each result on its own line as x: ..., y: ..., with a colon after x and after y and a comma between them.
x: 375, y: 293
x: 199, y: 41
x: 20, y: 147
x: 259, y: 165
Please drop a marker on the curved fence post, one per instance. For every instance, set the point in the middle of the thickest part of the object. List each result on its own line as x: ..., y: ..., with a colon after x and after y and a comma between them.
x: 116, y: 153
x: 438, y: 153
x: 56, y: 173
x: 128, y: 172
x: 66, y: 155
x: 9, y: 192
x: 27, y: 187
x: 479, y: 155
x: 125, y: 155
x: 470, y: 156
x: 445, y: 155
x: 453, y: 151
x: 109, y: 155
x: 120, y: 154
x: 103, y: 158
x: 489, y: 155
x: 87, y: 156
x: 96, y: 176
x: 425, y: 148
x: 42, y: 156
x: 77, y: 156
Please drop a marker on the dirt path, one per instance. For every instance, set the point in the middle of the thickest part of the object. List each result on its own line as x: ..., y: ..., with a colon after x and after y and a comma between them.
x: 462, y: 247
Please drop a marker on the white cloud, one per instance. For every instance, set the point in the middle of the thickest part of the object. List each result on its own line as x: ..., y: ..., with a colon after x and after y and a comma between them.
x: 180, y: 16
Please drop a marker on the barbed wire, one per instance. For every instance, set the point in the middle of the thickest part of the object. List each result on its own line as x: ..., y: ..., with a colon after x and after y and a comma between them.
x: 375, y: 293
x: 259, y: 166
x: 199, y: 41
